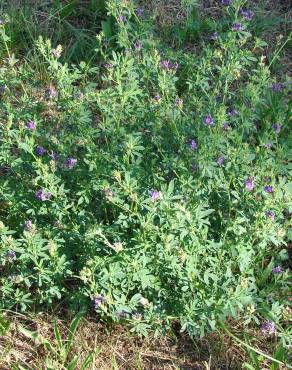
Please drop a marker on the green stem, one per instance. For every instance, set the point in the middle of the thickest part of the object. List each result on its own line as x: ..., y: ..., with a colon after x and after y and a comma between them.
x: 278, y: 52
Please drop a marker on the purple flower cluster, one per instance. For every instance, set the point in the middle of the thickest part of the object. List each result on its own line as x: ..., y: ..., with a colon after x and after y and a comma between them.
x: 277, y: 270
x: 50, y: 93
x: 226, y: 2
x: 268, y: 145
x: 268, y: 327
x: 155, y: 195
x: 247, y: 14
x: 268, y: 189
x: 70, y: 163
x: 10, y: 256
x: 157, y: 98
x: 28, y: 225
x: 214, y: 36
x: 121, y: 18
x: 40, y: 151
x: 108, y: 65
x: 30, y: 125
x: 271, y: 215
x: 168, y: 65
x: 137, y: 45
x: 249, y: 183
x: 3, y: 88
x: 220, y: 160
x: 276, y: 127
x: 193, y: 144
x: 54, y: 156
x: 226, y: 127
x: 209, y: 121
x: 140, y: 11
x: 98, y: 300
x: 237, y: 26
x: 276, y: 87
x: 179, y: 102
x: 43, y: 195
x: 232, y: 112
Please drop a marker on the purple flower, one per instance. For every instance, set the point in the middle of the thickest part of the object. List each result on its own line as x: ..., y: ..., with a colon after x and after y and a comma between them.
x: 108, y: 65
x: 50, y: 93
x: 237, y: 26
x: 268, y: 189
x: 10, y: 256
x: 31, y: 125
x: 249, y: 183
x: 3, y: 88
x: 232, y: 112
x: 214, y: 36
x: 277, y: 270
x: 226, y: 2
x: 276, y: 127
x: 98, y: 300
x: 193, y: 144
x: 28, y: 225
x: 168, y: 65
x: 40, y: 151
x: 268, y: 145
x: 70, y: 163
x: 209, y: 121
x: 220, y: 160
x: 121, y: 18
x: 268, y: 327
x: 140, y: 11
x: 276, y: 87
x: 194, y: 167
x: 226, y: 127
x: 179, y: 102
x: 271, y: 215
x: 165, y: 64
x: 155, y: 195
x: 138, y: 45
x: 247, y: 14
x: 43, y: 195
x: 54, y: 156
x: 157, y: 98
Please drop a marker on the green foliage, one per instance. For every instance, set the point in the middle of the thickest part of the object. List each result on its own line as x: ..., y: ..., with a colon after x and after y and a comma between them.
x: 119, y: 194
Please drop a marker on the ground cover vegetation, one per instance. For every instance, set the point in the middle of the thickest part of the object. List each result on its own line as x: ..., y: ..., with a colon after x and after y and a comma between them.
x: 145, y: 166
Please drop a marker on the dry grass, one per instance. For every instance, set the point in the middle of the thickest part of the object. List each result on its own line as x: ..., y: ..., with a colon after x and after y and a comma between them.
x: 118, y: 348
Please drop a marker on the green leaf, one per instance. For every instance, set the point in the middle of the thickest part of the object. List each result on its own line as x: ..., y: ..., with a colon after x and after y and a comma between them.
x: 288, y: 188
x: 72, y: 330
x: 31, y: 335
x: 107, y: 28
x: 58, y: 335
x: 88, y: 360
x: 73, y: 364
